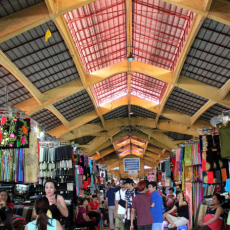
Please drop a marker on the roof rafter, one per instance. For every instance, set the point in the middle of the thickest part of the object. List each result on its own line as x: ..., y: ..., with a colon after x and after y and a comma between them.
x: 219, y: 11
x: 36, y: 15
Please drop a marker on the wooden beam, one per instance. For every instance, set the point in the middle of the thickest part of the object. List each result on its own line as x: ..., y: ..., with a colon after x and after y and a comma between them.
x: 164, y: 139
x: 194, y: 29
x: 52, y: 109
x: 207, y: 4
x: 224, y: 90
x: 219, y: 11
x: 205, y: 107
x: 6, y: 62
x: 26, y: 19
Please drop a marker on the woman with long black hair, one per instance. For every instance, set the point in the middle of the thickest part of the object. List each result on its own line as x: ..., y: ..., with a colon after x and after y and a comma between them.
x: 6, y: 216
x: 5, y: 199
x: 56, y: 202
x: 43, y: 222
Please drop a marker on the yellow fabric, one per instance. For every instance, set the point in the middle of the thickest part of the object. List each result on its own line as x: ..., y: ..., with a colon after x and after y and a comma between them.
x: 48, y: 35
x: 49, y: 214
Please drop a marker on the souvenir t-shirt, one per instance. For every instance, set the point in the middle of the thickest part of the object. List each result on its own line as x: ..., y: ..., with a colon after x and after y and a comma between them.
x: 101, y: 180
x: 120, y: 195
x: 157, y: 210
x: 129, y: 195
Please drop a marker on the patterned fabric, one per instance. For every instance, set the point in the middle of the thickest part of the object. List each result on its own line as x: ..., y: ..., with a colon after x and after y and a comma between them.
x: 119, y: 224
x: 80, y: 218
x: 129, y: 199
x: 187, y: 155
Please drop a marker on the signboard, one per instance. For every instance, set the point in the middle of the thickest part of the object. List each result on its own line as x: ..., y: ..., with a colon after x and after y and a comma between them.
x: 131, y: 164
x: 133, y: 172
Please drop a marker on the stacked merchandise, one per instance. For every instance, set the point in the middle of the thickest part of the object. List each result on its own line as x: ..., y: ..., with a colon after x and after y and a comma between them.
x: 56, y: 164
x: 213, y: 166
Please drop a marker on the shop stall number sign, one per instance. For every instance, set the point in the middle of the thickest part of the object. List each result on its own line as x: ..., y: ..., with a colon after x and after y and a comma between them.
x: 131, y: 164
x: 133, y: 172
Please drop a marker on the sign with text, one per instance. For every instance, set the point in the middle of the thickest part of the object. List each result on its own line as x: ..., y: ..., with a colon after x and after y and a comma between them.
x: 131, y: 164
x: 133, y: 172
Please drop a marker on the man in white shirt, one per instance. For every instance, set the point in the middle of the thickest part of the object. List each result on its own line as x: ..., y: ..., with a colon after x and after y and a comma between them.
x: 120, y: 208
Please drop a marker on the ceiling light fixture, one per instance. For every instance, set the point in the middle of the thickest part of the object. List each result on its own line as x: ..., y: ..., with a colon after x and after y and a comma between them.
x: 130, y: 58
x: 131, y: 113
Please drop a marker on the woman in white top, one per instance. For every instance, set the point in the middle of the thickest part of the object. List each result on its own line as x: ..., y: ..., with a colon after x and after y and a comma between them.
x: 43, y: 222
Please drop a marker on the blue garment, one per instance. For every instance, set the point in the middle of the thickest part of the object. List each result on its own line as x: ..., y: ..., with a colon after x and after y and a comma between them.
x: 53, y: 222
x: 141, y: 193
x: 111, y: 197
x: 157, y: 211
x: 157, y: 226
x: 228, y: 185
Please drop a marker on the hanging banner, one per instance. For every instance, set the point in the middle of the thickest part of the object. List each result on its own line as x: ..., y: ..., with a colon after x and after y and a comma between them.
x: 131, y: 164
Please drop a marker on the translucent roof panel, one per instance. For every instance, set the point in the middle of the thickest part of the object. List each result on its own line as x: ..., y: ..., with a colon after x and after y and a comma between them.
x: 99, y: 32
x: 111, y: 88
x: 46, y: 64
x: 148, y: 88
x: 159, y: 32
x: 208, y: 59
x: 16, y: 91
x: 8, y: 7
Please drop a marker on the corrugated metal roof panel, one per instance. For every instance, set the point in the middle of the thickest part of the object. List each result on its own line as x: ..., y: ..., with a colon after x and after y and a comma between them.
x: 47, y: 119
x: 178, y: 136
x: 75, y: 105
x: 16, y: 91
x: 46, y: 64
x: 208, y: 59
x: 184, y: 101
x: 121, y: 111
x: 141, y: 112
x: 8, y: 7
x: 213, y: 111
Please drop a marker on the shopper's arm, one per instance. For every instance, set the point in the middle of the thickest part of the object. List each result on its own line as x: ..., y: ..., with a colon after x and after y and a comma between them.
x: 61, y: 205
x: 181, y: 201
x: 34, y: 214
x: 59, y: 227
x: 133, y: 214
x: 116, y: 208
x: 171, y: 210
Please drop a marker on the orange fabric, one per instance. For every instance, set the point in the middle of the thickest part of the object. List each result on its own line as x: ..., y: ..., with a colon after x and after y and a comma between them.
x: 224, y: 175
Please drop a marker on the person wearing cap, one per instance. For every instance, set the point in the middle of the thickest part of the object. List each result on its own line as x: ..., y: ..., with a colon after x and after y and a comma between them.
x: 129, y: 195
x: 120, y: 207
x: 94, y: 210
x: 110, y: 200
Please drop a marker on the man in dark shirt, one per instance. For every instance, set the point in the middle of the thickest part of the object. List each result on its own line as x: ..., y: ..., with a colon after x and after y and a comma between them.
x: 110, y: 200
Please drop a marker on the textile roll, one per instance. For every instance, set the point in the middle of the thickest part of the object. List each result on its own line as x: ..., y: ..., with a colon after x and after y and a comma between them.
x: 32, y: 160
x: 189, y: 200
x: 201, y: 213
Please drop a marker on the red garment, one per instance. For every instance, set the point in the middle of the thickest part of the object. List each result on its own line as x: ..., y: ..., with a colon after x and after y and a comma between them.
x: 80, y: 219
x: 210, y: 177
x: 101, y: 180
x: 204, y: 161
x: 148, y: 193
x: 160, y: 193
x: 89, y: 180
x: 85, y: 184
x: 173, y: 161
x: 216, y: 225
x: 93, y: 207
x: 11, y: 205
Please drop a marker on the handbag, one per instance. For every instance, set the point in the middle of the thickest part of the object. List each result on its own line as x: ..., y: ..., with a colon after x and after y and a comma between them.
x: 121, y: 202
